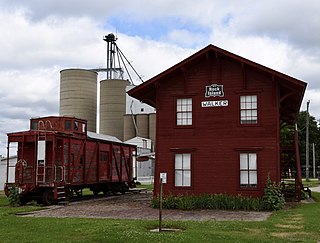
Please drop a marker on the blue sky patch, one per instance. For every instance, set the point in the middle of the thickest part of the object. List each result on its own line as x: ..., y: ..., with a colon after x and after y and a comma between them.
x: 155, y: 29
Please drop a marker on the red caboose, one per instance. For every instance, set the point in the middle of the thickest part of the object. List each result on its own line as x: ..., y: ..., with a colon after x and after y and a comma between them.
x: 58, y: 157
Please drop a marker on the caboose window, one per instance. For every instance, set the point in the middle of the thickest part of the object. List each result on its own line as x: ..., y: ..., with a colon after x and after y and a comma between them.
x: 248, y: 109
x: 68, y: 125
x: 184, y: 112
x: 183, y: 169
x: 248, y: 170
x: 34, y: 125
x: 76, y: 125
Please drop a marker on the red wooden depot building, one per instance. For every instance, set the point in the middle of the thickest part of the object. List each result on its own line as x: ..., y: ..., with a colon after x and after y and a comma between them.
x: 218, y: 124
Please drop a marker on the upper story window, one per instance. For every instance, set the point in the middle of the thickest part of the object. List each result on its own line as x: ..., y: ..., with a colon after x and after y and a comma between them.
x: 248, y: 109
x: 184, y: 112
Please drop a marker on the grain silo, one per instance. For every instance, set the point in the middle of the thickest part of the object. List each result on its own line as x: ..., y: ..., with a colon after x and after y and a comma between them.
x: 129, y: 127
x: 152, y: 127
x: 142, y: 125
x: 78, y: 95
x: 112, y: 106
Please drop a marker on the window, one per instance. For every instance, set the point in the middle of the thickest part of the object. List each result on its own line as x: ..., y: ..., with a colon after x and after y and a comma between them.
x: 76, y: 125
x: 183, y: 170
x: 83, y: 127
x: 144, y: 143
x: 248, y: 170
x: 248, y: 109
x: 34, y: 125
x: 103, y: 156
x: 68, y: 125
x: 184, y: 112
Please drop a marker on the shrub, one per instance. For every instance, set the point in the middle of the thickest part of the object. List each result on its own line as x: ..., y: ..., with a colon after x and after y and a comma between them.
x: 209, y: 201
x: 273, y: 198
x: 14, y: 199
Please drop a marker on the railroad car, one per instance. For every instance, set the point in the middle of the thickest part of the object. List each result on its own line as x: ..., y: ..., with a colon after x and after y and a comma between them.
x: 58, y: 157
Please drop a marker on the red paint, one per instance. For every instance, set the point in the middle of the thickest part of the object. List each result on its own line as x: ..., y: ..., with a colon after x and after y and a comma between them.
x: 216, y: 136
x: 73, y: 160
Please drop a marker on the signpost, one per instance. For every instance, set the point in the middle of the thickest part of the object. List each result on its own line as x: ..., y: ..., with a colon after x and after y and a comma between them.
x: 163, y: 179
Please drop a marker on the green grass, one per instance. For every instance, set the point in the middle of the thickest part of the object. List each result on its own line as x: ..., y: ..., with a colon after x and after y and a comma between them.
x: 299, y: 224
x: 149, y: 187
x: 311, y: 182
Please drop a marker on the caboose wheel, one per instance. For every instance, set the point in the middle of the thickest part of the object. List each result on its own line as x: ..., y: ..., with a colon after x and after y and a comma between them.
x: 47, y: 197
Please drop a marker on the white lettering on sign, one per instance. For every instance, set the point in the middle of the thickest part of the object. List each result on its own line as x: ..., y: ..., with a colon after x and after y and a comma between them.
x: 214, y: 103
x: 214, y: 90
x: 163, y: 177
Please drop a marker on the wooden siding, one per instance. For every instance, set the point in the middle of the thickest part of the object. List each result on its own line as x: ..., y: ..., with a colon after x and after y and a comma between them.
x: 216, y: 137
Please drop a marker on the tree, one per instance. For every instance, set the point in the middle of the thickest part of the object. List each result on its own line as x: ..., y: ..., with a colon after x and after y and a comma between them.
x: 314, y: 137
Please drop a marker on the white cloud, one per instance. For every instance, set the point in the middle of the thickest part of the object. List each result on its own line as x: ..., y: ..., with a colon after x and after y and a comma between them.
x: 39, y: 38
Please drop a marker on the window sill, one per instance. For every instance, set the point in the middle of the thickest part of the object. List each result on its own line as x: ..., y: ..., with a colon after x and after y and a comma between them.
x: 256, y: 188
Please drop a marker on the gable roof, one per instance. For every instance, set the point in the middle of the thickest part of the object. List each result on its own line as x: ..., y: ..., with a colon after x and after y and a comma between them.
x: 293, y: 88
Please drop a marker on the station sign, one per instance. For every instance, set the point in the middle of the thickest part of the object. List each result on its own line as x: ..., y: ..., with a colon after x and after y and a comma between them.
x: 214, y: 103
x: 214, y: 90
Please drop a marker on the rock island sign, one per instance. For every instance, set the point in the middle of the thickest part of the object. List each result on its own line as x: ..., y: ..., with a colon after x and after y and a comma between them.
x: 214, y: 90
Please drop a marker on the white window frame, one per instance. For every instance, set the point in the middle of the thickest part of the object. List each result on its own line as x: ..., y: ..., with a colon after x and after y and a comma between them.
x: 184, y: 111
x: 182, y: 170
x: 248, y: 109
x: 248, y: 170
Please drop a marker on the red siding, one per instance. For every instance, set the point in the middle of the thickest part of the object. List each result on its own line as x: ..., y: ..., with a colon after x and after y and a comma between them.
x: 216, y: 137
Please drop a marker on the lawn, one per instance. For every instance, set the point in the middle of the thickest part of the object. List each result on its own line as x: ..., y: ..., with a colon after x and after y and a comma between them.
x: 298, y: 224
x: 311, y: 182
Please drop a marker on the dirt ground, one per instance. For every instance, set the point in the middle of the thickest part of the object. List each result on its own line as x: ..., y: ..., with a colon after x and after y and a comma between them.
x: 137, y: 206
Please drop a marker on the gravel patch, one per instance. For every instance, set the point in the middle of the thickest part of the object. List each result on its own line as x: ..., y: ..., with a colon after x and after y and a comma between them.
x: 137, y: 206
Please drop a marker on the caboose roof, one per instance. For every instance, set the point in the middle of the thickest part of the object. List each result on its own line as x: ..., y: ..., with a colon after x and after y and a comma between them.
x: 291, y: 89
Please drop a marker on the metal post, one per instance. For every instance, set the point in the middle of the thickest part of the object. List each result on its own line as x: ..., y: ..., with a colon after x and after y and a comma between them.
x: 160, y: 207
x: 314, y: 160
x: 307, y: 141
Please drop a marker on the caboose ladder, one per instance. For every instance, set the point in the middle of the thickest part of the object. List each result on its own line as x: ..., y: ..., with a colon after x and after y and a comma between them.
x: 60, y: 194
x: 41, y: 162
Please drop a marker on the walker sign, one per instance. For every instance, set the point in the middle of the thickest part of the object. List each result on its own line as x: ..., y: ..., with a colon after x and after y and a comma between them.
x: 214, y: 103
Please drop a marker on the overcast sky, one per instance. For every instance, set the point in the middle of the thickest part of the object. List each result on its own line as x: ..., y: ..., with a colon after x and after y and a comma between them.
x: 40, y: 38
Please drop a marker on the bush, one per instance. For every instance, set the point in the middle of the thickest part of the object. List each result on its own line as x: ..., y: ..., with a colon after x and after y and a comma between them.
x: 209, y: 201
x: 273, y: 198
x: 14, y: 199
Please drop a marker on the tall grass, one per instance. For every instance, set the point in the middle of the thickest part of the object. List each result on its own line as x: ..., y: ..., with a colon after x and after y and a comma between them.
x: 210, y: 201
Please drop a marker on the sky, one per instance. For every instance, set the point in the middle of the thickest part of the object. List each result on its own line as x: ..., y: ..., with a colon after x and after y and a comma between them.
x: 41, y: 38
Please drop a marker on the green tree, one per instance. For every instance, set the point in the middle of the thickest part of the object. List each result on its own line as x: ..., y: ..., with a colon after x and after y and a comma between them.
x: 314, y: 137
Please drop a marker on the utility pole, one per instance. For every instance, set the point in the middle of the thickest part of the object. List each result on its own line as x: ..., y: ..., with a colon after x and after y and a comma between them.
x: 307, y: 141
x: 314, y: 160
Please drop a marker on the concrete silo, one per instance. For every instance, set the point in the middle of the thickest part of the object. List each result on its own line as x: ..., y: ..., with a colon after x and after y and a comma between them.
x: 152, y: 127
x: 142, y: 125
x: 78, y: 95
x: 113, y: 106
x: 129, y: 127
